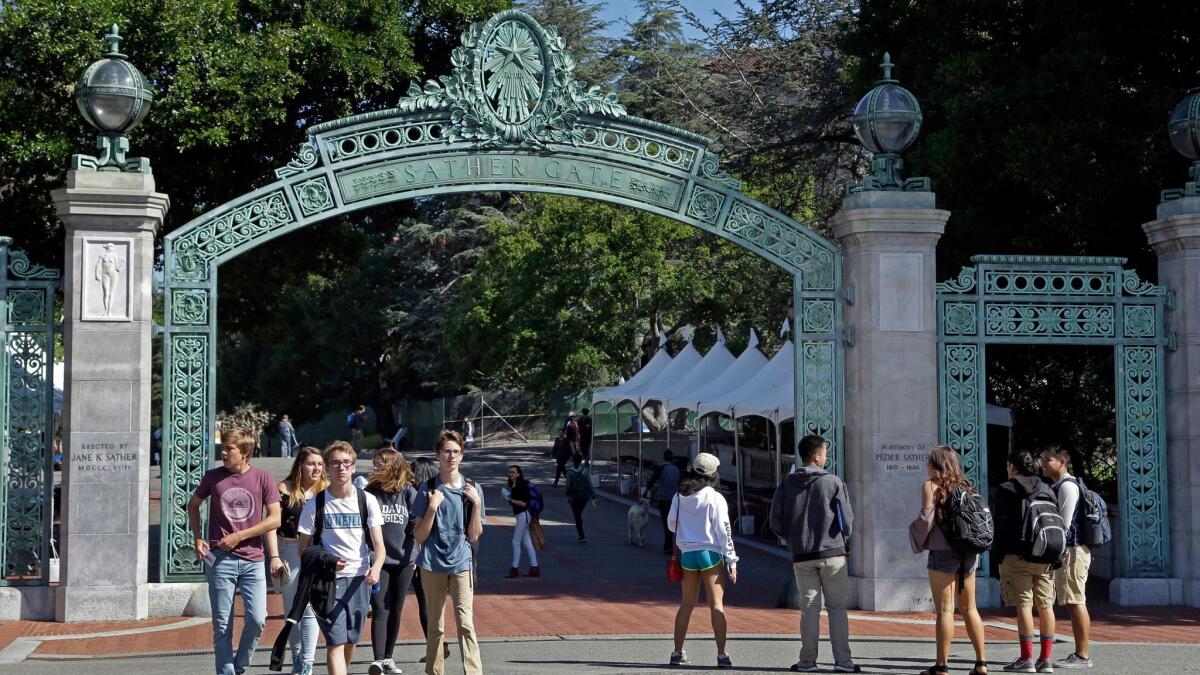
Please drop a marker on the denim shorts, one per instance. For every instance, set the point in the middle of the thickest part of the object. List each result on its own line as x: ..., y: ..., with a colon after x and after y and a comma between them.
x: 700, y: 561
x: 350, y: 612
x: 947, y: 561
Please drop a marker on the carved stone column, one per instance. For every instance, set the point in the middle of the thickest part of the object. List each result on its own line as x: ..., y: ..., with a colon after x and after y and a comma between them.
x: 1175, y: 237
x: 111, y: 218
x: 889, y: 239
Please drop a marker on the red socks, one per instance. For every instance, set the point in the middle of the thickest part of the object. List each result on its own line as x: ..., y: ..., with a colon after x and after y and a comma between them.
x: 1026, y: 647
x: 1047, y: 647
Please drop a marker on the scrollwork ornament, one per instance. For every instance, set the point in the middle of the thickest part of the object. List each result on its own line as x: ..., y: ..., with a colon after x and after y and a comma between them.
x: 964, y: 283
x: 314, y: 196
x: 711, y: 169
x: 306, y: 159
x: 960, y: 318
x: 20, y: 267
x: 1133, y: 285
x: 705, y: 205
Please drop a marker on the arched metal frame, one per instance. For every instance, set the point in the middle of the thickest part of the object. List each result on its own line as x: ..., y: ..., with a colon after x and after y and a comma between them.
x: 1072, y: 301
x: 26, y: 417
x: 470, y: 132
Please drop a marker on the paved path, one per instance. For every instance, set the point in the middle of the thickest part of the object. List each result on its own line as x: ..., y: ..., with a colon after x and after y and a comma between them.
x: 568, y: 620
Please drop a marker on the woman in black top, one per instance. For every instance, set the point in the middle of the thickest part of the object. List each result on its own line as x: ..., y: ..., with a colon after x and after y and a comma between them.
x: 392, y: 486
x: 307, y: 478
x: 518, y: 495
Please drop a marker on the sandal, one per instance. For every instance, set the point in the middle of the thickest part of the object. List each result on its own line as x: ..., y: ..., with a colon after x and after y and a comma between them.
x: 936, y: 669
x: 976, y: 670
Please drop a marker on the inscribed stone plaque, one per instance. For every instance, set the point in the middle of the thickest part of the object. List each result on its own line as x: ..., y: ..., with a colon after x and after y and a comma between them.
x: 642, y: 186
x: 106, y: 279
x: 103, y: 457
x: 901, y: 457
x: 901, y: 292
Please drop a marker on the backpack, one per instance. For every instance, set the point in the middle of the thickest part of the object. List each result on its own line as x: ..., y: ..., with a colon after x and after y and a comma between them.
x: 536, y: 503
x: 577, y: 486
x: 967, y: 522
x: 1043, y: 530
x: 1090, y: 523
x: 350, y: 420
x: 319, y: 518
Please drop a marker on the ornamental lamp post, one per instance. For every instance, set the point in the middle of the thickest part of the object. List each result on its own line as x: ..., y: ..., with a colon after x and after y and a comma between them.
x: 112, y: 95
x: 887, y: 121
x: 1183, y: 128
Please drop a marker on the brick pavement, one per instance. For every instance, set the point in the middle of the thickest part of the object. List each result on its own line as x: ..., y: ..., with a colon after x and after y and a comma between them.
x: 606, y: 588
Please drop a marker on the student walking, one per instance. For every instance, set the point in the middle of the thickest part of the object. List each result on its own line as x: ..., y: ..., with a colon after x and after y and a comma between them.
x: 585, y: 436
x: 951, y: 574
x: 666, y: 479
x: 448, y: 521
x: 392, y: 486
x: 345, y: 522
x: 244, y: 506
x: 356, y: 421
x: 287, y: 437
x: 579, y: 492
x: 699, y: 516
x: 571, y: 427
x: 1030, y: 539
x: 424, y: 468
x: 811, y: 509
x: 306, y: 478
x: 381, y: 458
x: 1070, y: 580
x: 561, y: 453
x: 520, y: 495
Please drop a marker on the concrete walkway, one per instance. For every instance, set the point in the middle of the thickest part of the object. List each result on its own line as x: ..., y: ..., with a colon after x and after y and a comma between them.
x: 573, y: 619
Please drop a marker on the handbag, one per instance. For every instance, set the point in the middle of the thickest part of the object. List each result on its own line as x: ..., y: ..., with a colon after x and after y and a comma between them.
x: 536, y: 534
x: 674, y: 567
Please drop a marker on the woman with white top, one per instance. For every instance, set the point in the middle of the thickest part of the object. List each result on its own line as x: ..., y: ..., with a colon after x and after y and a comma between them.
x: 307, y: 478
x: 699, y: 517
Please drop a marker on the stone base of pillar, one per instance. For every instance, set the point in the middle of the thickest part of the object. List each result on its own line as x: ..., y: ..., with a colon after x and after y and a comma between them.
x: 179, y: 599
x: 26, y: 603
x: 102, y: 603
x: 1133, y: 592
x: 894, y: 595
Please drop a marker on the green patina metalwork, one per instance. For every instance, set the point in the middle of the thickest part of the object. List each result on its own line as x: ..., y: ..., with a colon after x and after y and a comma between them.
x: 26, y: 416
x: 887, y: 120
x: 1066, y: 300
x: 114, y: 97
x: 510, y: 117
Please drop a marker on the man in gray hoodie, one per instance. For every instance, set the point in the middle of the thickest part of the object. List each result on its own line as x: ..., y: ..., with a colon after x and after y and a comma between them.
x: 811, y: 510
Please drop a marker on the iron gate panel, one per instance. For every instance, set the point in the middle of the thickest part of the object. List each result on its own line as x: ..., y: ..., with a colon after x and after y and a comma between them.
x: 27, y: 294
x: 1069, y: 301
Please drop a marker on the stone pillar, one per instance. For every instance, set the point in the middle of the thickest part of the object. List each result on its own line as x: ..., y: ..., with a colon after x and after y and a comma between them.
x: 888, y: 240
x: 1175, y: 237
x: 111, y: 219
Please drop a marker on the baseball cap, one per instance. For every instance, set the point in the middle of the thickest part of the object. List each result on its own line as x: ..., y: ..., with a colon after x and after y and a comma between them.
x: 705, y: 464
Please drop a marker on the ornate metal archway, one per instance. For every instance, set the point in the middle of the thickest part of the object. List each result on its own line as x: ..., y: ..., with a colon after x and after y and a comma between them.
x: 511, y: 117
x: 1074, y: 301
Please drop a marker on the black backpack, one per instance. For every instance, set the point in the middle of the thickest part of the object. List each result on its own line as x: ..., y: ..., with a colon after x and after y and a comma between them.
x: 319, y: 518
x: 1043, y: 530
x: 967, y: 522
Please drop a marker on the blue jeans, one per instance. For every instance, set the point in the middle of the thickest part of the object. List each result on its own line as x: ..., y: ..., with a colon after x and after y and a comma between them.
x: 231, y: 573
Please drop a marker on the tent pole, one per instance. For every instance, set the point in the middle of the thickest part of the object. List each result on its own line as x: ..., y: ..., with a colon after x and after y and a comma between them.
x: 737, y: 460
x: 638, y: 422
x: 668, y: 428
x: 778, y: 450
x: 617, y: 428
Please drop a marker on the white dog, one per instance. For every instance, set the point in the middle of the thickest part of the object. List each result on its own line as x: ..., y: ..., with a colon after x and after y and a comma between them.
x: 638, y: 517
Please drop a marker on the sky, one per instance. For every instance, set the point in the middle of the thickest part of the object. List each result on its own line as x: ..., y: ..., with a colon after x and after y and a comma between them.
x: 618, y: 11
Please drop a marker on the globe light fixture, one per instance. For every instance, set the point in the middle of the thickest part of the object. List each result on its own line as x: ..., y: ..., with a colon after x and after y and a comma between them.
x: 1183, y: 128
x: 112, y: 95
x: 887, y: 121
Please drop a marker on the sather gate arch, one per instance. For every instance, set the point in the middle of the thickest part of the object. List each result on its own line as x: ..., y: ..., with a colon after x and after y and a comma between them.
x: 510, y: 117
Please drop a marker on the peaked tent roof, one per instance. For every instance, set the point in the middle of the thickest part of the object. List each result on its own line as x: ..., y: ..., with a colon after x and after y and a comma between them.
x: 768, y: 393
x: 619, y: 393
x: 745, y: 367
x: 653, y: 390
x: 715, y: 362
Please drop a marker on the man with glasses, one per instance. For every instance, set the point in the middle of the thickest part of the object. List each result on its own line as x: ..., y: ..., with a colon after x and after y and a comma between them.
x: 233, y: 550
x: 447, y: 521
x: 342, y: 533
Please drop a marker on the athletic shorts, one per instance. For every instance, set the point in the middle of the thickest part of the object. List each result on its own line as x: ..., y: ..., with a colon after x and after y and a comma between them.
x: 1070, y: 580
x: 700, y: 561
x: 350, y: 612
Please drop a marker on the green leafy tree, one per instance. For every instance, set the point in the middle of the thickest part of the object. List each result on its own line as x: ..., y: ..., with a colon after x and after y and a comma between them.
x: 580, y: 23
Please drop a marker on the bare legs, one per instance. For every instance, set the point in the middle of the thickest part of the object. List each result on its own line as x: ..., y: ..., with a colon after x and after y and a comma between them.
x: 945, y: 590
x: 1081, y: 627
x: 713, y: 581
x: 338, y: 658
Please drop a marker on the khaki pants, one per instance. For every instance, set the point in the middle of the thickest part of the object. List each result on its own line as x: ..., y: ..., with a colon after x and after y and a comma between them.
x: 831, y: 577
x: 462, y: 592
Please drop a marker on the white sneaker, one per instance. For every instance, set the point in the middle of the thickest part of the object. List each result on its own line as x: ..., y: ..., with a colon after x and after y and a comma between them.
x: 390, y: 667
x: 376, y: 668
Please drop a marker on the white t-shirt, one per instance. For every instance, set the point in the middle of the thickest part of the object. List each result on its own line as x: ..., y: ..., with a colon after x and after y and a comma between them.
x: 343, y: 533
